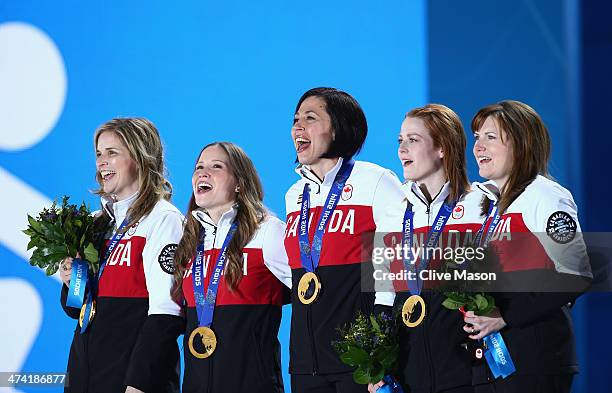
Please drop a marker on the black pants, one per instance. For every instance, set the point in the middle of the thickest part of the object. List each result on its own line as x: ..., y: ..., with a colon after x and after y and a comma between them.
x: 329, y: 383
x: 561, y: 383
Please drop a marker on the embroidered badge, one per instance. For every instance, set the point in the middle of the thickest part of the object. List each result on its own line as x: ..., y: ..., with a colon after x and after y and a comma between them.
x: 561, y: 227
x: 458, y: 212
x: 166, y: 258
x: 132, y: 229
x: 347, y: 192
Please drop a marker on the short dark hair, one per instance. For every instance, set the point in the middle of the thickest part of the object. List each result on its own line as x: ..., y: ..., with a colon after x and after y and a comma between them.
x: 347, y: 121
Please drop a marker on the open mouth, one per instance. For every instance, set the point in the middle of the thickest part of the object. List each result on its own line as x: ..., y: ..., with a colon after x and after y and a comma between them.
x: 405, y: 163
x: 107, y: 175
x: 203, y: 187
x: 301, y: 144
x: 484, y: 160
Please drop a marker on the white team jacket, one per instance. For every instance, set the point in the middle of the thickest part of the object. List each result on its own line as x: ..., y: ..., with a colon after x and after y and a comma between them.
x: 142, y: 264
x: 265, y: 248
x: 371, y: 202
x: 540, y: 229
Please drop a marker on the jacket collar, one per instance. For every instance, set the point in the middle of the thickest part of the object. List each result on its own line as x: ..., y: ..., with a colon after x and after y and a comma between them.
x: 117, y: 210
x: 206, y: 221
x: 416, y: 196
x: 306, y: 173
x: 489, y: 188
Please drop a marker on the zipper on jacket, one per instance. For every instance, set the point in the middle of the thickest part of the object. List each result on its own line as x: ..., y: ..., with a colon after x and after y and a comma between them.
x: 210, y: 375
x: 318, y: 182
x: 210, y: 359
x: 315, y: 219
x: 315, y: 362
x: 428, y: 357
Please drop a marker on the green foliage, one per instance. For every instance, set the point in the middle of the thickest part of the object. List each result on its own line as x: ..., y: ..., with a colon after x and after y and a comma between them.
x: 369, y: 344
x: 471, y: 296
x: 59, y: 232
x: 480, y: 303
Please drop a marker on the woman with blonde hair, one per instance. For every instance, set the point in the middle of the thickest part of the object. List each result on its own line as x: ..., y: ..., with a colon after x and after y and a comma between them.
x: 125, y: 340
x: 230, y: 268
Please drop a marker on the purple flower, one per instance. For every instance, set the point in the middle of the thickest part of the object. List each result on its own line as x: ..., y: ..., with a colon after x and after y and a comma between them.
x: 51, y: 216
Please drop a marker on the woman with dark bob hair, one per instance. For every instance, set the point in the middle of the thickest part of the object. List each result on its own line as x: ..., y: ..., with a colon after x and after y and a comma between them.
x: 333, y: 211
x: 542, y: 255
x: 231, y: 266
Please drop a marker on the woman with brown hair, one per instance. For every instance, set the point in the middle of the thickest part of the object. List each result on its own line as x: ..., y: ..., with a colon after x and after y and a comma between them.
x: 541, y: 252
x: 125, y: 340
x: 230, y: 267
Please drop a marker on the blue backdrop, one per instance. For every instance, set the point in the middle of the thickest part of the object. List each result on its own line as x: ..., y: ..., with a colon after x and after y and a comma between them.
x: 206, y: 71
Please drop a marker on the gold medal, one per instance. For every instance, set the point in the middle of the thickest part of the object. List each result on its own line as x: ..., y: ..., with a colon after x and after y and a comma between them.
x: 309, y: 288
x: 408, y: 311
x: 209, y: 341
x: 92, y: 313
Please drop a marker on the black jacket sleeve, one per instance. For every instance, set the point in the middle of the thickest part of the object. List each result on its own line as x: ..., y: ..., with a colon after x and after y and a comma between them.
x: 156, y: 354
x: 520, y: 309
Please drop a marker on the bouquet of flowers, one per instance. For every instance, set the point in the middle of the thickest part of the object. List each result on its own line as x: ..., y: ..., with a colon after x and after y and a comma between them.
x: 370, y: 344
x: 60, y: 232
x: 469, y: 295
x: 465, y: 297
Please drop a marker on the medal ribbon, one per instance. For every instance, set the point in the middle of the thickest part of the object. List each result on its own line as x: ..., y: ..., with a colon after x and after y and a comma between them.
x: 78, y: 282
x: 205, y: 305
x: 432, y: 240
x: 310, y: 255
x: 118, y: 235
x: 492, y: 225
x: 496, y: 353
x: 478, y: 238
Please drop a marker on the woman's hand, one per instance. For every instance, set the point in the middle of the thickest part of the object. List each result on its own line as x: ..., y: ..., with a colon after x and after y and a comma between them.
x: 374, y: 388
x: 65, y: 269
x: 483, y: 325
x: 131, y: 389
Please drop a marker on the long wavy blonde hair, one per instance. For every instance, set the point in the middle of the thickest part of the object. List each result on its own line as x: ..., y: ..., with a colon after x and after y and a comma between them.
x: 250, y: 213
x: 144, y: 145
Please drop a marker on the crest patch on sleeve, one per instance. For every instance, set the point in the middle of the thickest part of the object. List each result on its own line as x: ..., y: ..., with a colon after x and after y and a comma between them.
x: 166, y: 258
x: 561, y: 227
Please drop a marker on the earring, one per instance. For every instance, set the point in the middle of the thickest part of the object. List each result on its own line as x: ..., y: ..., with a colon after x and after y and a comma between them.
x: 237, y: 189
